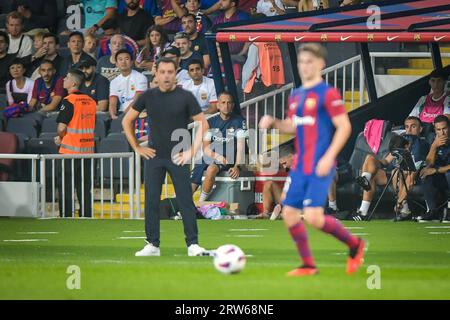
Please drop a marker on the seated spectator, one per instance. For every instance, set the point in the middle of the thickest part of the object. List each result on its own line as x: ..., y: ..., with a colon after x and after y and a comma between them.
x: 5, y: 60
x: 436, y: 103
x: 375, y: 172
x: 155, y: 43
x: 227, y: 131
x: 95, y: 85
x: 48, y: 90
x: 126, y: 87
x: 229, y: 13
x: 174, y: 54
x: 111, y: 27
x: 96, y: 12
x: 309, y: 5
x: 91, y: 45
x: 349, y: 2
x: 38, y: 41
x: 37, y: 14
x: 247, y: 6
x: 48, y: 51
x: 270, y: 8
x: 20, y: 88
x: 272, y: 194
x: 167, y: 17
x: 202, y: 88
x: 198, y: 41
x: 106, y: 65
x: 149, y: 6
x: 75, y: 44
x: 202, y: 22
x: 20, y: 44
x: 135, y: 22
x: 436, y: 176
x: 183, y: 43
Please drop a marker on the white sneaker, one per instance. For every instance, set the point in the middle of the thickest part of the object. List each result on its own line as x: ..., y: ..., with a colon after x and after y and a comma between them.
x: 276, y: 212
x: 195, y: 250
x: 149, y: 251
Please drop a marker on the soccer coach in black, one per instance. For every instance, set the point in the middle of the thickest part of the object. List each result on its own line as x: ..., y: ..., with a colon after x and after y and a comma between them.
x: 169, y: 108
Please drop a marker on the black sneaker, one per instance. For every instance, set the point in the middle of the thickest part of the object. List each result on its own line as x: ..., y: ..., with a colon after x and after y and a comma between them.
x: 356, y: 216
x: 363, y: 183
x: 431, y: 216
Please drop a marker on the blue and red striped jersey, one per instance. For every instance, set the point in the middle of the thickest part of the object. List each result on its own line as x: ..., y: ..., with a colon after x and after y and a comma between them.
x: 311, y: 110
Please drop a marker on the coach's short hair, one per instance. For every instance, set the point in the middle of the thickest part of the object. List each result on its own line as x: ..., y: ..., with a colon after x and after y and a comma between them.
x: 315, y: 48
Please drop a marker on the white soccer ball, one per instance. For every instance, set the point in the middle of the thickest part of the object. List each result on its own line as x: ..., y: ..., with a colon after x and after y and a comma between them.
x: 229, y: 259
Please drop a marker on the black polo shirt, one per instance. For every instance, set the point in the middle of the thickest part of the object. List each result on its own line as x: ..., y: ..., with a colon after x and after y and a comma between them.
x: 99, y: 88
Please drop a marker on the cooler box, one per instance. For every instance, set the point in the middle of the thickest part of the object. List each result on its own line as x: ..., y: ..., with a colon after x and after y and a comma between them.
x: 260, y: 179
x: 241, y: 190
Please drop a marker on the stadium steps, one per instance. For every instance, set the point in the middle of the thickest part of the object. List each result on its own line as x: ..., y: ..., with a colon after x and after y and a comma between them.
x: 426, y: 63
x: 409, y: 72
x: 349, y: 106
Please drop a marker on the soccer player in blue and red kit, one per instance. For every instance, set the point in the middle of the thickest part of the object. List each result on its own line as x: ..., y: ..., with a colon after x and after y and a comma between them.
x: 322, y: 127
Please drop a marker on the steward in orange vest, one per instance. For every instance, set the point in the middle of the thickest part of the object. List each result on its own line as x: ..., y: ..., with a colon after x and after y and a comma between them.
x: 76, y: 125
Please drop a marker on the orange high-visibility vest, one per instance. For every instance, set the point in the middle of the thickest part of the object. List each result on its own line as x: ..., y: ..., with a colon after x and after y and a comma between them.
x: 80, y: 130
x: 270, y: 66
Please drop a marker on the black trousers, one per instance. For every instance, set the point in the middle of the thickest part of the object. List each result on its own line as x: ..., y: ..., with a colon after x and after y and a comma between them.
x: 155, y: 172
x: 432, y: 185
x: 66, y: 210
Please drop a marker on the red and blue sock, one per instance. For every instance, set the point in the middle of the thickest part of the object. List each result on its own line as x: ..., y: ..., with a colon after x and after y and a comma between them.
x: 300, y: 237
x: 336, y: 229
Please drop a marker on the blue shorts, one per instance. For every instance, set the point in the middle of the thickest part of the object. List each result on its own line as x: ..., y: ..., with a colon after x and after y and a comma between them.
x: 307, y: 190
x: 197, y: 172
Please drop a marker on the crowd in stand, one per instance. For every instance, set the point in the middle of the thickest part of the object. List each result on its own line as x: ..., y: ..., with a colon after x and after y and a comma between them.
x: 119, y: 42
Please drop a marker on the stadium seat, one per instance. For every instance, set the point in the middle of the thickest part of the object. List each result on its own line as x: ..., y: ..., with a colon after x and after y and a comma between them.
x: 100, y: 128
x: 109, y: 145
x: 2, y: 125
x: 3, y: 103
x: 42, y: 146
x: 117, y: 136
x: 47, y: 135
x: 36, y: 116
x: 25, y: 126
x: 116, y: 125
x: 8, y: 144
x: 49, y: 125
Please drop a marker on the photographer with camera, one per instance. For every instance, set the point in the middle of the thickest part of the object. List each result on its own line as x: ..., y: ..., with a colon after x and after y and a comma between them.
x: 376, y: 172
x: 436, y: 176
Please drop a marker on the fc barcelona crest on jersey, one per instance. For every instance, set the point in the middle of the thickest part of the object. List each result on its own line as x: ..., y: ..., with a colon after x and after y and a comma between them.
x: 232, y: 37
x: 310, y: 103
x: 417, y: 37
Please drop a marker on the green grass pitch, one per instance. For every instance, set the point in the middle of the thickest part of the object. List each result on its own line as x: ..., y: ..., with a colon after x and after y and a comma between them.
x: 414, y: 261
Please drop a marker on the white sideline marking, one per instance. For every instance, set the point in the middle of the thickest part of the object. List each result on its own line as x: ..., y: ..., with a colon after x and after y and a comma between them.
x: 245, y: 235
x: 39, y: 232
x: 439, y: 232
x: 127, y: 238
x: 132, y: 231
x: 354, y: 228
x: 25, y: 240
x: 248, y: 230
x: 340, y: 253
x: 440, y: 227
x: 361, y: 234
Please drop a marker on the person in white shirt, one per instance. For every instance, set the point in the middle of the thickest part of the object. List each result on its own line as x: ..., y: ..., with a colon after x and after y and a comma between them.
x: 127, y: 87
x: 270, y: 8
x: 20, y: 88
x: 19, y: 43
x: 201, y: 87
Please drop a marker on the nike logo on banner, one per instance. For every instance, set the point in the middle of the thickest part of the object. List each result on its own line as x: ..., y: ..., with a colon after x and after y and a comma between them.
x: 253, y: 39
x: 299, y: 38
x: 392, y: 38
x: 438, y: 38
x: 345, y: 38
